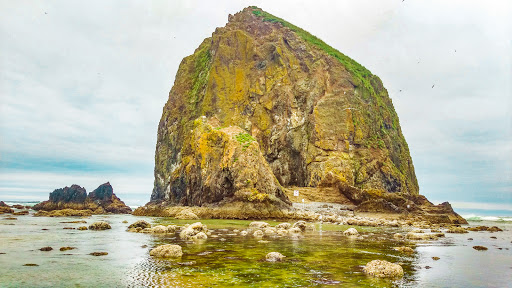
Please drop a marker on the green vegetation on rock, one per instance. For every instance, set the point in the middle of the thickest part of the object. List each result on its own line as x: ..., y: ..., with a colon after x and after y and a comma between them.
x: 357, y: 70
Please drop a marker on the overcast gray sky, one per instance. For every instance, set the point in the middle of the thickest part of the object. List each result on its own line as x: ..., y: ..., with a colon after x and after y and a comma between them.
x: 83, y: 83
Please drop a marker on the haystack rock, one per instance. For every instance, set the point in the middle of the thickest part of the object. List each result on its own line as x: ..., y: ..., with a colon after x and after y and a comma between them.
x: 101, y: 200
x: 263, y: 108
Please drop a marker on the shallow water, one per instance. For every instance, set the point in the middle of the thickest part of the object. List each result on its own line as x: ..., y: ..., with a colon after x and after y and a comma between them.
x: 323, y: 258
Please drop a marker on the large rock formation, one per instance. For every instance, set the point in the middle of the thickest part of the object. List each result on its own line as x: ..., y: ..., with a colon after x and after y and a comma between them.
x: 101, y: 200
x: 304, y: 114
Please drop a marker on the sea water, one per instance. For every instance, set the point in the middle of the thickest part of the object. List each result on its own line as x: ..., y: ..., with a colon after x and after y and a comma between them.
x: 321, y: 258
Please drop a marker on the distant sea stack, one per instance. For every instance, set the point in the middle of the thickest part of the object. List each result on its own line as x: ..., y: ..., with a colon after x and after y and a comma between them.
x: 100, y: 201
x: 263, y: 107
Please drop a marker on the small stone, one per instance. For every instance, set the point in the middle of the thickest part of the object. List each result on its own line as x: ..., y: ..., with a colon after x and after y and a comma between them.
x: 274, y: 257
x: 30, y: 264
x: 48, y: 248
x: 66, y: 248
x: 435, y: 258
x: 98, y: 253
x: 493, y: 237
x: 243, y: 233
x: 480, y: 248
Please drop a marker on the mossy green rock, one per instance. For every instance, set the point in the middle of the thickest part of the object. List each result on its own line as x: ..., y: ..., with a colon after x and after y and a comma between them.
x: 303, y: 114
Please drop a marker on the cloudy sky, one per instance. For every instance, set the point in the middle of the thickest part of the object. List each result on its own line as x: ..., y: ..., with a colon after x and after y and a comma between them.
x: 82, y: 86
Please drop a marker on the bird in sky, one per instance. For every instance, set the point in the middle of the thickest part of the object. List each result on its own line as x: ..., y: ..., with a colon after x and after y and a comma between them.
x: 433, y: 85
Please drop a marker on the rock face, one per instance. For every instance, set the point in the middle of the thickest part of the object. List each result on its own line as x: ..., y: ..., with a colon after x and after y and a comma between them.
x: 101, y: 200
x: 317, y: 116
x: 263, y: 105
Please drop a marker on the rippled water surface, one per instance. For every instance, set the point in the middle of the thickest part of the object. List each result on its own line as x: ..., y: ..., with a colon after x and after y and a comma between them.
x: 323, y: 258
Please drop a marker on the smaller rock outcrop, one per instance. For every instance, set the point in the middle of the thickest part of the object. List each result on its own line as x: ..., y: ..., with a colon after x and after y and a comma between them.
x: 383, y: 269
x: 4, y: 208
x: 100, y: 201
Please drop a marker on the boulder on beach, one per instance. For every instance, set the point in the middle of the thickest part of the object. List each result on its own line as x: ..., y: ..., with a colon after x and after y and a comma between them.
x: 140, y: 223
x: 190, y: 231
x: 159, y: 229
x: 258, y: 233
x: 100, y: 225
x: 200, y: 236
x: 351, y: 232
x: 172, y: 228
x: 274, y: 257
x: 167, y: 251
x: 82, y: 228
x: 259, y: 225
x: 383, y: 269
x: 300, y: 224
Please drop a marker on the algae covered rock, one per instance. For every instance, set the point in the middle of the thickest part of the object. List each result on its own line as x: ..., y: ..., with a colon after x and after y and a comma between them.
x: 383, y: 269
x: 140, y: 223
x: 100, y: 225
x: 317, y: 116
x: 167, y: 251
x: 274, y: 257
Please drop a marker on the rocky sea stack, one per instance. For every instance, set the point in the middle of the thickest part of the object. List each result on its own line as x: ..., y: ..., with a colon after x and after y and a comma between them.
x: 75, y: 201
x: 263, y: 108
